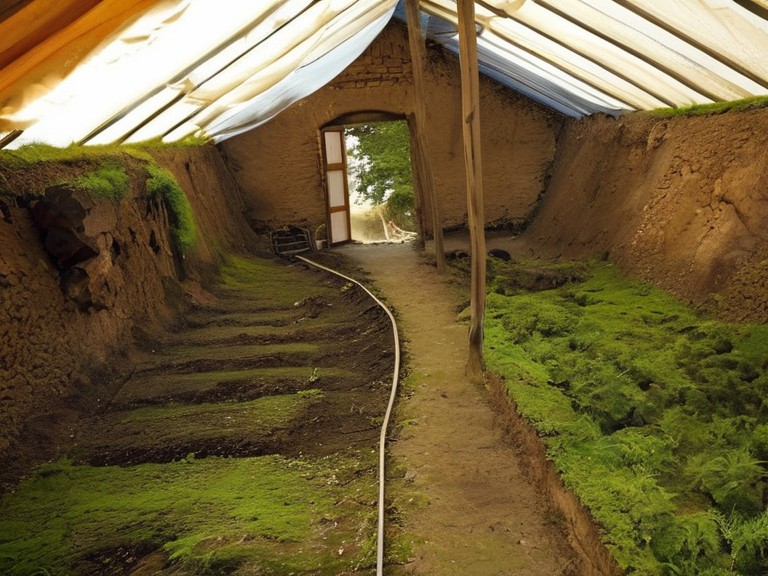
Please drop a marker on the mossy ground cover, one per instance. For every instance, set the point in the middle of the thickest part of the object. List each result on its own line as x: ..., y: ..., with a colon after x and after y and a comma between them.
x: 248, y: 381
x: 211, y: 459
x: 655, y: 415
x: 267, y: 515
x: 743, y: 105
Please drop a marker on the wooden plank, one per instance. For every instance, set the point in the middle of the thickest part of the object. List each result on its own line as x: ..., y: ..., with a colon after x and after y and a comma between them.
x: 421, y: 202
x: 470, y: 108
x: 55, y: 56
x: 423, y: 168
x: 31, y: 23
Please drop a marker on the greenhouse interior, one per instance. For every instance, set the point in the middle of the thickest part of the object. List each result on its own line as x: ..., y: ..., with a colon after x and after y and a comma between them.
x: 403, y: 287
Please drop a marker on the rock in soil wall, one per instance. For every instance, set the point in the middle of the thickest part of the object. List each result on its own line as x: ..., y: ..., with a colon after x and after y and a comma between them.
x: 680, y: 202
x: 83, y: 278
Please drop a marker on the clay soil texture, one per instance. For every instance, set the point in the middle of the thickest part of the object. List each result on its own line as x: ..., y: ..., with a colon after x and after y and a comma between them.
x: 244, y: 442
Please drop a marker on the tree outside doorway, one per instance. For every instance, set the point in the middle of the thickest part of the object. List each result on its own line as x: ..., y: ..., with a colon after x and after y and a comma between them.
x: 381, y: 181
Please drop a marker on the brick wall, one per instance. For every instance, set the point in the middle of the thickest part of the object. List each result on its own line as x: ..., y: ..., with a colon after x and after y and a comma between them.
x: 279, y: 168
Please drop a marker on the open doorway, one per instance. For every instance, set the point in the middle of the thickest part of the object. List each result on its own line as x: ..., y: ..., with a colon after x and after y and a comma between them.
x: 369, y: 182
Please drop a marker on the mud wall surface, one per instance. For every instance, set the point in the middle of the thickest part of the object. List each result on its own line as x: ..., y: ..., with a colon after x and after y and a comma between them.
x: 278, y: 165
x: 82, y: 279
x: 680, y: 202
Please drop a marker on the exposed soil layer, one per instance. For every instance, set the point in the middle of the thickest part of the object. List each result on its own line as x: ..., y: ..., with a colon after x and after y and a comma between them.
x: 679, y: 202
x: 201, y: 390
x: 67, y: 329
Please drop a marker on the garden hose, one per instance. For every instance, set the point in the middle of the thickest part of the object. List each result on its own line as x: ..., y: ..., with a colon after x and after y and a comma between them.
x: 390, y: 405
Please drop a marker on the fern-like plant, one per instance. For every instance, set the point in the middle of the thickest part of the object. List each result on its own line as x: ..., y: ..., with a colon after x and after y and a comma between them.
x: 733, y: 480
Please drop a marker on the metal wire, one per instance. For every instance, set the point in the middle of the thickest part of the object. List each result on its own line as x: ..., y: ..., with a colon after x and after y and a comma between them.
x: 390, y: 405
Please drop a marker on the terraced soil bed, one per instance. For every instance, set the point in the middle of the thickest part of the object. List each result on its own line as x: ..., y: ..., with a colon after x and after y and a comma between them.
x: 243, y: 443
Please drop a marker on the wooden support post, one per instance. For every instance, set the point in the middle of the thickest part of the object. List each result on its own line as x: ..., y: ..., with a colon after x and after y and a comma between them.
x: 423, y: 169
x: 470, y: 108
x: 421, y: 203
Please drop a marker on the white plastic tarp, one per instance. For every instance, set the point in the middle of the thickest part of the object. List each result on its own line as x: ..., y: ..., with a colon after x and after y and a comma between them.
x: 219, y: 68
x: 182, y: 68
x: 633, y: 54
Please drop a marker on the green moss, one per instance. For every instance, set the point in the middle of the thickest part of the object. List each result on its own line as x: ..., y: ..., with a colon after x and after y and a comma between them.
x: 38, y: 152
x: 270, y: 283
x: 753, y: 103
x: 109, y: 181
x: 108, y: 178
x: 651, y: 412
x: 273, y: 412
x: 162, y: 184
x: 250, y: 508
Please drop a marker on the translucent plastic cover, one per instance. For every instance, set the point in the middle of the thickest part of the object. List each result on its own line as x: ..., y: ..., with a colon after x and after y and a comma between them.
x: 102, y: 71
x: 586, y: 56
x: 183, y: 67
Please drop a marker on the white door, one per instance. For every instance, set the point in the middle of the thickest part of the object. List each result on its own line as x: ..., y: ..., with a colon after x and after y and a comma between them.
x: 337, y: 191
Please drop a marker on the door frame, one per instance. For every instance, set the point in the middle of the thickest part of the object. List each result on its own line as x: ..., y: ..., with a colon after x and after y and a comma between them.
x: 331, y: 167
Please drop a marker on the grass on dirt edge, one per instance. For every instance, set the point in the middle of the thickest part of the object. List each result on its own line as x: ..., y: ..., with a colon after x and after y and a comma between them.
x: 269, y: 514
x: 655, y: 415
x: 105, y: 176
x: 745, y: 104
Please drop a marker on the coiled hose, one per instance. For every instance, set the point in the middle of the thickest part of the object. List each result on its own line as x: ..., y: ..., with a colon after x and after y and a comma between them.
x: 390, y: 405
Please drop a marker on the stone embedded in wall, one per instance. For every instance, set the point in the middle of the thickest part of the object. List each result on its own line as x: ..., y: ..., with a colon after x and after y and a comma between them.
x: 75, y: 230
x: 59, y: 216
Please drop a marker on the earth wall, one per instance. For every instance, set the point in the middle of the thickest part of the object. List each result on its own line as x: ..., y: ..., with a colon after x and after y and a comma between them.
x: 85, y: 279
x: 279, y: 167
x: 680, y: 202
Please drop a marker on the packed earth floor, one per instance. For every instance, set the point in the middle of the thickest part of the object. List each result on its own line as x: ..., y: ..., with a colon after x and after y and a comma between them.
x: 245, y: 442
x: 468, y: 505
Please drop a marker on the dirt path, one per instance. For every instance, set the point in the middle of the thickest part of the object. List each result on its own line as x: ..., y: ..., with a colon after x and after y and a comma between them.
x: 481, y: 515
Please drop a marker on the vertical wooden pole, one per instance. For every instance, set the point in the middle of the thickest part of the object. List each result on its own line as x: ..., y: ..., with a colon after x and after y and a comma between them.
x: 424, y: 170
x: 421, y: 204
x: 470, y: 107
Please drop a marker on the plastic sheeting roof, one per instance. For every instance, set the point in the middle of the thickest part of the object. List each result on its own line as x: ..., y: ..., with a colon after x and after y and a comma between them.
x: 184, y: 66
x: 585, y: 56
x: 103, y: 71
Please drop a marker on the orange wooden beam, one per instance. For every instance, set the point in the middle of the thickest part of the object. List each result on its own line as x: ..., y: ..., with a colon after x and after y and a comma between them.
x: 45, y: 40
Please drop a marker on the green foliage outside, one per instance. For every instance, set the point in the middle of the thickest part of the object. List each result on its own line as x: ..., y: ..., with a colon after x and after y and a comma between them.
x: 381, y: 165
x: 212, y: 515
x: 656, y: 416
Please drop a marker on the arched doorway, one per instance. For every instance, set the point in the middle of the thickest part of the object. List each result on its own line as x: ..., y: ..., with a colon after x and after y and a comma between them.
x: 353, y: 211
